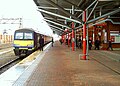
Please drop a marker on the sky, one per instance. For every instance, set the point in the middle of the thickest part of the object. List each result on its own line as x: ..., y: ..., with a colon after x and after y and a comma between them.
x: 25, y: 9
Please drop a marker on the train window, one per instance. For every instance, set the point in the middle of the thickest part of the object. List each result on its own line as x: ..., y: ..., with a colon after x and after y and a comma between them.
x: 19, y: 36
x: 28, y: 36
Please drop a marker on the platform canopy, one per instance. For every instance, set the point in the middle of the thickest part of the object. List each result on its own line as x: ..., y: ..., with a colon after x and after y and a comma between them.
x: 60, y: 13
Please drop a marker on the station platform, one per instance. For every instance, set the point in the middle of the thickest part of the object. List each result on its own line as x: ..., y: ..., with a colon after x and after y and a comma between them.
x: 60, y: 66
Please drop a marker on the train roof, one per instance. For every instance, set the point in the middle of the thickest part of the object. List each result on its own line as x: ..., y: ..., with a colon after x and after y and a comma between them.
x: 29, y: 29
x: 26, y: 29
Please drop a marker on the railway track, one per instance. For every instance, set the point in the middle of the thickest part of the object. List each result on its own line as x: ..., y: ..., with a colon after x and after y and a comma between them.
x: 9, y: 64
x: 7, y: 57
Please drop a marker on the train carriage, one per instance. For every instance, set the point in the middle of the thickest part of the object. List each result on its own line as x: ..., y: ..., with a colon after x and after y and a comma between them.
x: 27, y: 40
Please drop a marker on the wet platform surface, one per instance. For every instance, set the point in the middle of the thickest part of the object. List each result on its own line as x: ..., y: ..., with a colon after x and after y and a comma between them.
x: 12, y: 74
x: 59, y: 66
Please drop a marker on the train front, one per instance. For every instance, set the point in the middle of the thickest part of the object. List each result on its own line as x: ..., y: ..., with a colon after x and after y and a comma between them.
x: 23, y: 41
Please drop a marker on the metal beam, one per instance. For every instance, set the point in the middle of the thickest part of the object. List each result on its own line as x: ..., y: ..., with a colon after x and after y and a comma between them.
x: 54, y: 14
x: 91, y: 5
x: 55, y: 20
x: 56, y: 23
x: 62, y: 9
x: 78, y: 6
x: 53, y: 17
x: 104, y: 9
x: 103, y: 22
x: 56, y: 27
x: 103, y: 5
x: 92, y: 10
x: 107, y: 14
x: 107, y: 0
x: 78, y: 27
x: 80, y: 2
x: 63, y: 20
x: 80, y: 15
x: 57, y: 30
x: 59, y: 7
x: 72, y: 3
x: 60, y: 29
x: 53, y: 8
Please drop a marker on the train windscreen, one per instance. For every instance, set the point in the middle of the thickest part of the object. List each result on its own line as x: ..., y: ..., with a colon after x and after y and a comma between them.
x: 23, y: 36
x: 28, y: 36
x: 19, y: 35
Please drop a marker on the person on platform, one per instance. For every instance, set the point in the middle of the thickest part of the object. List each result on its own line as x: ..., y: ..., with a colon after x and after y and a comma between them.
x: 41, y: 43
x: 90, y: 43
x: 80, y: 43
x: 61, y: 41
x: 97, y: 44
x: 109, y: 45
x: 66, y: 41
x: 52, y: 41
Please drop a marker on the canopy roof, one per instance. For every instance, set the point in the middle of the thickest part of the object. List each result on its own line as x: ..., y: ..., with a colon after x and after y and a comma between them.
x: 60, y: 13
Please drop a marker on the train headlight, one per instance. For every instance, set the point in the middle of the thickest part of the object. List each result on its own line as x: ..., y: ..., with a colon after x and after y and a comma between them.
x: 30, y: 45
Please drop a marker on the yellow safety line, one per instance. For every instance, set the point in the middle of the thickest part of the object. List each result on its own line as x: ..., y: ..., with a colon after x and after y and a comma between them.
x: 30, y: 58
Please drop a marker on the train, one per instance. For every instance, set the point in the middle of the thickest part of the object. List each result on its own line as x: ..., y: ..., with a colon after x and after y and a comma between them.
x: 26, y: 41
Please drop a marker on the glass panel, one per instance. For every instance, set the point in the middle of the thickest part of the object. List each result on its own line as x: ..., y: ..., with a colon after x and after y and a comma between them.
x: 19, y: 36
x: 28, y: 36
x: 115, y: 36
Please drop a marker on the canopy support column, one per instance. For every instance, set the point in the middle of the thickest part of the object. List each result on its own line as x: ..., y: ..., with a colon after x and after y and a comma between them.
x: 84, y: 36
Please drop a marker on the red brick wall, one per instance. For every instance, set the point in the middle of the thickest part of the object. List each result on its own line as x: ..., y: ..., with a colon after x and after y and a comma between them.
x: 113, y: 27
x: 114, y: 45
